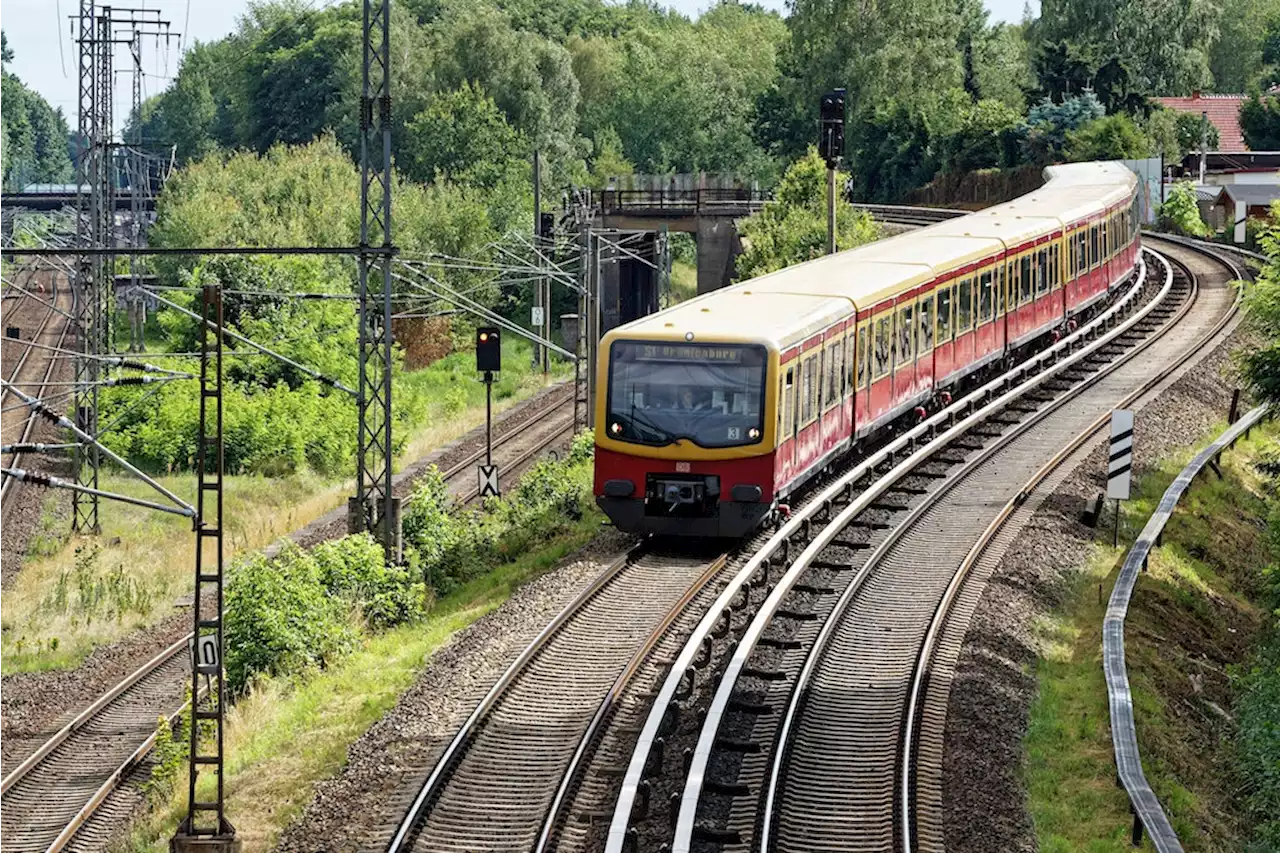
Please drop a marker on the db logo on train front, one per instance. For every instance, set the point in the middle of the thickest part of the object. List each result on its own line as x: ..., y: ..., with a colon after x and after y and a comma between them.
x: 682, y: 467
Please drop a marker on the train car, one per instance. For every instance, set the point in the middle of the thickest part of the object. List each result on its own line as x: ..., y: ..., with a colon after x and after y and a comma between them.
x: 712, y: 412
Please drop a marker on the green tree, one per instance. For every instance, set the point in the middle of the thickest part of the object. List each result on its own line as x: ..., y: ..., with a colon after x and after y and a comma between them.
x: 35, y: 135
x: 1002, y: 66
x: 463, y: 135
x: 1261, y: 364
x: 1236, y: 57
x: 1113, y: 137
x: 1180, y: 213
x: 793, y: 227
x: 1142, y: 47
x: 607, y: 159
x: 1260, y: 122
x: 1048, y: 125
x: 986, y: 138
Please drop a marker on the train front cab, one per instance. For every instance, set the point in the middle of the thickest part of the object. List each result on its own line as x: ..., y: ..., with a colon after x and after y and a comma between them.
x: 685, y: 435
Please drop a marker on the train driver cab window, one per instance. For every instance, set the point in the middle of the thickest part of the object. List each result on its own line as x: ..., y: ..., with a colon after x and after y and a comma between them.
x: 883, y: 354
x: 906, y: 336
x: 986, y: 301
x: 1042, y: 268
x: 945, y: 309
x: 711, y: 394
x: 926, y: 324
x: 1026, y: 285
x: 964, y: 306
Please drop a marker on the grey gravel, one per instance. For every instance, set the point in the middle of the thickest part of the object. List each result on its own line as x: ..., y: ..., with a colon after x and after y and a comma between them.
x: 995, y: 686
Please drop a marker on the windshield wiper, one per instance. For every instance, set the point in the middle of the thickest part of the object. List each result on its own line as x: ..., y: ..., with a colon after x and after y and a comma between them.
x: 663, y: 436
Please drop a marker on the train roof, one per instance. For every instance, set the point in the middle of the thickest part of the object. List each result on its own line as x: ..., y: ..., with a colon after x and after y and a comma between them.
x: 783, y: 307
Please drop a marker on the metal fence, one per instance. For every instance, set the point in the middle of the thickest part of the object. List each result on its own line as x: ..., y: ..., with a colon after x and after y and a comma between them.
x: 1124, y: 737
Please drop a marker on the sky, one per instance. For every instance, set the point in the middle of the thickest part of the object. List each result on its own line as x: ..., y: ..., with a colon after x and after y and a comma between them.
x: 39, y: 33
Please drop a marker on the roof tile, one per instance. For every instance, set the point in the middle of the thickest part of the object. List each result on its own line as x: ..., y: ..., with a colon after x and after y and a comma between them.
x: 1223, y: 112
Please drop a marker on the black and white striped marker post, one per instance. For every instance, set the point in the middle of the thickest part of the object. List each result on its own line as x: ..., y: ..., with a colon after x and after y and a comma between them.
x: 1120, y: 462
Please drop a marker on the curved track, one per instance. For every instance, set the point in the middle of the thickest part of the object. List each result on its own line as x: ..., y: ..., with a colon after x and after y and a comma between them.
x: 893, y: 557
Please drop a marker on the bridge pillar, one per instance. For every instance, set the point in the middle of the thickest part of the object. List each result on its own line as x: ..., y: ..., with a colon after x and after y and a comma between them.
x: 718, y: 248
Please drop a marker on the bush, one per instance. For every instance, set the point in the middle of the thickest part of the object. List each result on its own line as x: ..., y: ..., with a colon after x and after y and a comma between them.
x: 280, y: 619
x: 1180, y: 214
x: 352, y: 568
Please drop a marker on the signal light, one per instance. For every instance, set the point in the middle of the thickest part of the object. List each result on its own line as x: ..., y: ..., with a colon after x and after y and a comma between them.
x: 488, y: 350
x: 831, y: 127
x: 753, y: 433
x: 615, y: 428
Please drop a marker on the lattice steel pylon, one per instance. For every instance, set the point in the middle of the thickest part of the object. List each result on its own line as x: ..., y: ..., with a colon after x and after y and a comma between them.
x: 84, y: 512
x: 374, y: 508
x: 206, y: 827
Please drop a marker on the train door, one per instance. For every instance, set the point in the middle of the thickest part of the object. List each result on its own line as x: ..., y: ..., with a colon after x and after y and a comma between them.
x: 862, y: 410
x: 832, y: 370
x: 786, y: 463
x: 944, y: 325
x: 925, y: 375
x: 1002, y: 316
x: 964, y: 326
x: 904, y: 364
x: 881, y: 362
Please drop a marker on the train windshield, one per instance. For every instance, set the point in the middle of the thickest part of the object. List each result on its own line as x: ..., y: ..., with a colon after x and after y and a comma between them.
x: 710, y: 394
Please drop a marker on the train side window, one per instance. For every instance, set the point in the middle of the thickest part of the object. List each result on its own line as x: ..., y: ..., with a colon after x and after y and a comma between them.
x: 1071, y: 255
x: 1082, y: 252
x: 882, y: 346
x: 850, y: 341
x: 1042, y: 267
x: 808, y: 388
x: 985, y: 301
x: 1055, y: 265
x: 835, y: 369
x: 945, y: 308
x: 1000, y: 285
x: 964, y: 306
x: 906, y: 336
x: 926, y: 324
x: 1025, y: 285
x: 864, y: 355
x: 1093, y: 246
x: 788, y: 412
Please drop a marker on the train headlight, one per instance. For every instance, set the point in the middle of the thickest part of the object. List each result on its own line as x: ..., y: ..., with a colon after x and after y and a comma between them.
x: 615, y: 428
x: 753, y: 433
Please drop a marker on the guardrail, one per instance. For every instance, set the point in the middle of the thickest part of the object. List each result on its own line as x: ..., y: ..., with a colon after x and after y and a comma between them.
x: 682, y: 202
x: 1147, y: 812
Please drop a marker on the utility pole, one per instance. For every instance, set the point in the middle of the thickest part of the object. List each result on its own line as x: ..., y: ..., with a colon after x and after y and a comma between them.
x: 374, y: 508
x: 1204, y: 143
x: 831, y: 147
x: 205, y: 829
x: 84, y: 506
x: 538, y: 305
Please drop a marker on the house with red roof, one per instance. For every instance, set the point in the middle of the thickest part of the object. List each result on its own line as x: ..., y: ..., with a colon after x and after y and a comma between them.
x: 1223, y: 112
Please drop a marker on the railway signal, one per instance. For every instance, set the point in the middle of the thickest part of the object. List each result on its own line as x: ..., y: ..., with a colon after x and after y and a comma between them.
x: 831, y: 146
x: 488, y: 362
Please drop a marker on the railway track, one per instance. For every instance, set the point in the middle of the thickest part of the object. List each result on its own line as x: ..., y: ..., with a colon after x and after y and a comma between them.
x: 495, y: 787
x: 33, y: 368
x: 60, y: 797
x: 739, y: 790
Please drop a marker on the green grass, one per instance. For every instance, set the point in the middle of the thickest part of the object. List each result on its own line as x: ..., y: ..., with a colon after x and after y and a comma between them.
x: 684, y: 281
x: 1190, y: 615
x: 290, y: 734
x: 42, y: 630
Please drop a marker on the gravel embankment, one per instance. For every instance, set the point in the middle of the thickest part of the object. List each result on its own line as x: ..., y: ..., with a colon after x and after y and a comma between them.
x: 360, y: 808
x: 995, y: 683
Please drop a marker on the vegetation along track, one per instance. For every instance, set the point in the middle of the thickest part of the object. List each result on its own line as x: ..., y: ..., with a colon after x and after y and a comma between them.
x: 730, y: 751
x: 496, y: 785
x: 117, y: 731
x: 42, y: 324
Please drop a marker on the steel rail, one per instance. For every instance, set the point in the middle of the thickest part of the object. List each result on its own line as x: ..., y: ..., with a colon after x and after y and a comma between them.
x: 8, y: 487
x: 720, y: 702
x: 635, y: 772
x: 473, y: 492
x: 440, y: 771
x: 558, y: 803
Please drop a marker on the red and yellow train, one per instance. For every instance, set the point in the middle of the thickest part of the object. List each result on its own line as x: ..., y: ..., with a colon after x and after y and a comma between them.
x: 712, y: 412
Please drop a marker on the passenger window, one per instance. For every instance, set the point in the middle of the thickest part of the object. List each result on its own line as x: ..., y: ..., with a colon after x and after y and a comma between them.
x: 964, y: 307
x: 882, y: 346
x: 834, y: 371
x: 926, y: 324
x: 1042, y: 267
x: 1025, y: 285
x: 808, y: 388
x: 850, y: 341
x: 944, y: 314
x: 864, y: 338
x: 787, y: 427
x: 985, y: 301
x: 1001, y: 278
x: 906, y: 336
